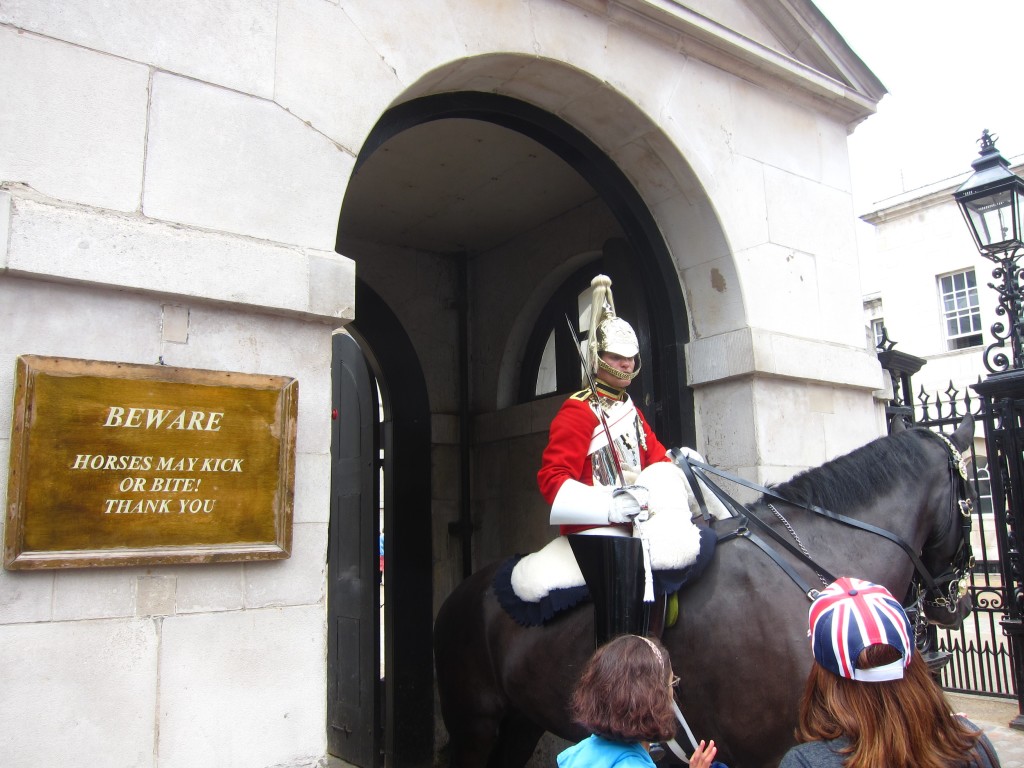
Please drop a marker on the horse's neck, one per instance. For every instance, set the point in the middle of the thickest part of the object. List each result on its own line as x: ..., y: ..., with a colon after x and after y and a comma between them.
x: 837, y: 546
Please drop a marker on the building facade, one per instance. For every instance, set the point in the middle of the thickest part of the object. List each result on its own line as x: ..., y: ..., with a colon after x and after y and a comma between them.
x: 228, y: 186
x: 927, y: 283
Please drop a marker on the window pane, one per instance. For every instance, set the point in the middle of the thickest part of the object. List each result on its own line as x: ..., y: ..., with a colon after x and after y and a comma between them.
x: 547, y: 378
x: 960, y: 309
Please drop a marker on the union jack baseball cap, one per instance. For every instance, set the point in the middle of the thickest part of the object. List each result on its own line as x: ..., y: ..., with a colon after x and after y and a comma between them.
x: 848, y: 616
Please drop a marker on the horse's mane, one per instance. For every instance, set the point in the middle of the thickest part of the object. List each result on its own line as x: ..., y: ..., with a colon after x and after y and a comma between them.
x: 858, y: 478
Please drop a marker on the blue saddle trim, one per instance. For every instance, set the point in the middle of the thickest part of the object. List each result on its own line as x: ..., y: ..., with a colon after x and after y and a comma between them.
x: 558, y: 600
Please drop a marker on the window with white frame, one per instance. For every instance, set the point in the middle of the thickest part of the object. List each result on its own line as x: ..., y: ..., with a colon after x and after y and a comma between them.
x: 877, y: 330
x: 961, y: 316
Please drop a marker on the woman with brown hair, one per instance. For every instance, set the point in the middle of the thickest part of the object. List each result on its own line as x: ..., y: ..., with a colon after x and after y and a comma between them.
x: 624, y: 698
x: 870, y: 700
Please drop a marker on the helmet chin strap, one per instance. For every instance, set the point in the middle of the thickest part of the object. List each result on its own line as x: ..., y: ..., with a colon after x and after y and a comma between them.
x: 621, y: 375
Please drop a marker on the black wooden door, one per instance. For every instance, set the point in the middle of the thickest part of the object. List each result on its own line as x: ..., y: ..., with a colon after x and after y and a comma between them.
x: 353, y: 620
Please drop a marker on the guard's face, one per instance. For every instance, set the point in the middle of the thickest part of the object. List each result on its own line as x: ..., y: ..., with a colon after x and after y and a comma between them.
x: 624, y: 364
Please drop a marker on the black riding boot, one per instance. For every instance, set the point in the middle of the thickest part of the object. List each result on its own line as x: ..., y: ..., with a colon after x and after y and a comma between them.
x: 613, y: 567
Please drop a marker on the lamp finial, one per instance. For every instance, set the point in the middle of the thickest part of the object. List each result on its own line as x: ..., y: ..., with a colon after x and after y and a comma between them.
x: 988, y: 142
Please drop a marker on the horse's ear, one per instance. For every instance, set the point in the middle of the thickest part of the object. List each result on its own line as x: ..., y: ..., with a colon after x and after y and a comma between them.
x: 964, y: 435
x: 898, y: 425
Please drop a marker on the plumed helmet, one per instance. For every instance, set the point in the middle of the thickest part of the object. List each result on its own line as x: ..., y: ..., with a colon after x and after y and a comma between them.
x: 608, y: 332
x: 616, y: 335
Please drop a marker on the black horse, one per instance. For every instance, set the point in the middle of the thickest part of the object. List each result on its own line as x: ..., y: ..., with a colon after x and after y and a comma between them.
x: 740, y: 645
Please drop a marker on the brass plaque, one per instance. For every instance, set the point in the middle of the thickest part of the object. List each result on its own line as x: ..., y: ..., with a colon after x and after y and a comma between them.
x: 121, y: 464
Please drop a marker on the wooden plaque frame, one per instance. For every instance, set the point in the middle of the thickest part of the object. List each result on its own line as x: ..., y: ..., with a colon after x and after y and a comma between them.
x: 124, y: 464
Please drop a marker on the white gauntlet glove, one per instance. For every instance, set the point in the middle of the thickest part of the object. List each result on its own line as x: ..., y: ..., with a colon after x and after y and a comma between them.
x: 683, y: 452
x: 629, y: 504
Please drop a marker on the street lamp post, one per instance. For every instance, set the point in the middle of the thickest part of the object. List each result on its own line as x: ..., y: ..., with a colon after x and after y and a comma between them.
x: 992, y: 202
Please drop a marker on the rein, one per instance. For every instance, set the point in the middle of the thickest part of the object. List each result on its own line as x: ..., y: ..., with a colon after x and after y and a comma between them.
x: 961, y: 564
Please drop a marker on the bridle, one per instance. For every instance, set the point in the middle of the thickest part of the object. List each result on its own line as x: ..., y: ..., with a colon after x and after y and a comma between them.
x: 956, y: 576
x: 941, y: 591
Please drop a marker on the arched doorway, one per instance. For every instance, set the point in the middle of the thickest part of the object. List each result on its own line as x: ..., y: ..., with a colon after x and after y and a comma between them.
x: 430, y: 243
x: 654, y: 279
x: 379, y: 463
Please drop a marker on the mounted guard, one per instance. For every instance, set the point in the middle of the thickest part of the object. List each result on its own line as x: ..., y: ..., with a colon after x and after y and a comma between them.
x: 600, y: 474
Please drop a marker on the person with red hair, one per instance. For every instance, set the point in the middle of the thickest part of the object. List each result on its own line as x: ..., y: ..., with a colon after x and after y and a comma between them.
x: 624, y: 698
x: 870, y: 700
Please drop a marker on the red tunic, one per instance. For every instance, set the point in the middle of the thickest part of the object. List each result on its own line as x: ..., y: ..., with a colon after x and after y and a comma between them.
x: 566, y: 455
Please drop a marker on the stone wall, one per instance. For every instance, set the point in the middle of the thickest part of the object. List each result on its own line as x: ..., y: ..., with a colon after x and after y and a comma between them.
x: 170, y: 187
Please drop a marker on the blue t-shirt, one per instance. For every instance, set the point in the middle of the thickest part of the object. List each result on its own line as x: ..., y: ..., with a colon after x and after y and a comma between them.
x: 596, y: 752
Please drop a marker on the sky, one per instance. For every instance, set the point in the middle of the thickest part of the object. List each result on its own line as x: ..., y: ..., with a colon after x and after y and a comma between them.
x: 952, y: 68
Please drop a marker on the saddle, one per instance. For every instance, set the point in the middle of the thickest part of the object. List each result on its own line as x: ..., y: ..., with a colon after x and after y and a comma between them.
x: 536, y: 587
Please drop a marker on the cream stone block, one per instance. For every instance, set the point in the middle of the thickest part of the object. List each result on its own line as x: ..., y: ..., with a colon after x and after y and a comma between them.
x: 809, y: 216
x: 312, y: 488
x: 854, y: 422
x: 25, y: 596
x: 720, y: 357
x: 781, y: 288
x: 652, y: 165
x: 5, y: 227
x: 79, y: 691
x: 741, y: 201
x: 725, y: 415
x: 487, y: 72
x: 209, y: 588
x: 780, y: 132
x: 601, y: 112
x: 821, y: 399
x: 95, y: 593
x: 565, y: 32
x: 174, y: 323
x: 299, y: 580
x: 155, y: 594
x: 80, y: 245
x: 815, y: 361
x: 705, y: 262
x: 408, y: 61
x: 790, y: 434
x: 842, y: 304
x: 747, y: 351
x: 234, y: 163
x: 711, y: 93
x: 650, y: 73
x: 329, y: 74
x: 561, y: 90
x: 332, y: 286
x: 230, y: 43
x: 80, y: 323
x: 714, y: 297
x: 243, y: 689
x: 74, y: 121
x: 507, y: 25
x: 835, y: 154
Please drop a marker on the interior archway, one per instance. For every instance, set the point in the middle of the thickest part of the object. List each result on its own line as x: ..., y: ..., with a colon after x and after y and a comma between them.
x: 464, y: 210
